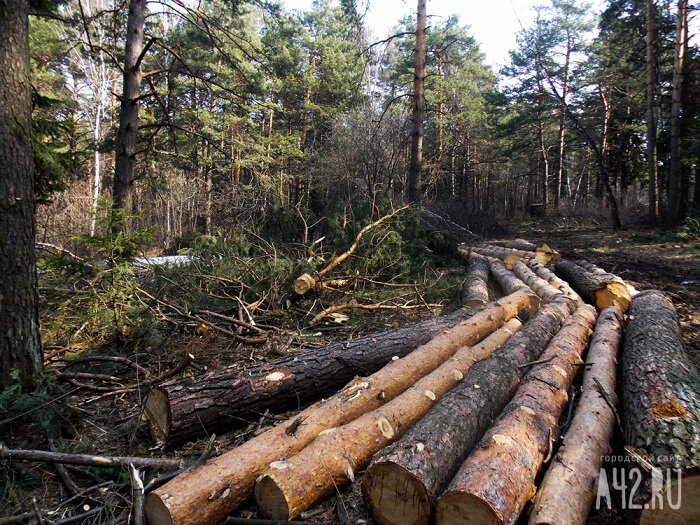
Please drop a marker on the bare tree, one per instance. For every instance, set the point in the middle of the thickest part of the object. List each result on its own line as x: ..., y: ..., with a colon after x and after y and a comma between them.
x: 651, y: 119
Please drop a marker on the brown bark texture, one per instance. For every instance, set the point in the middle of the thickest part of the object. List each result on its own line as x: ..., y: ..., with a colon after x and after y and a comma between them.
x: 292, y: 486
x: 209, y: 493
x: 537, y: 284
x: 601, y: 290
x: 127, y: 133
x: 587, y: 265
x: 497, y: 480
x: 20, y: 346
x: 568, y: 489
x: 187, y: 409
x: 552, y: 278
x: 661, y: 393
x: 506, y: 280
x: 417, y: 131
x: 403, y: 481
x: 475, y: 290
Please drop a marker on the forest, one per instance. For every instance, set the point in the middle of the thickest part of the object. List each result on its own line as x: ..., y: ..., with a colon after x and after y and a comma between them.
x: 259, y: 264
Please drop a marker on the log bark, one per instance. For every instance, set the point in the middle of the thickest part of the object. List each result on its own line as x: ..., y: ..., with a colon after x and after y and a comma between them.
x: 188, y: 409
x: 586, y: 265
x: 661, y: 392
x: 537, y: 284
x: 403, y: 482
x: 560, y: 284
x: 475, y: 290
x: 568, y: 489
x: 600, y: 290
x: 496, y: 481
x: 294, y: 485
x: 506, y: 280
x: 209, y: 493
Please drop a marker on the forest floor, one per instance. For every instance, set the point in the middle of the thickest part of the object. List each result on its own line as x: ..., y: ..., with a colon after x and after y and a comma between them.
x: 112, y: 426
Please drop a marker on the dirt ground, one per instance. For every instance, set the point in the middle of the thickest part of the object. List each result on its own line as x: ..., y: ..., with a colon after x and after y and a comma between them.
x: 644, y: 258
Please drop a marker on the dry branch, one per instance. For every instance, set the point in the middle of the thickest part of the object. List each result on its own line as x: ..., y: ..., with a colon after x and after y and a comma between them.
x: 568, y: 489
x: 496, y: 481
x: 294, y: 485
x: 211, y: 492
x: 307, y: 282
x: 404, y: 480
x: 87, y: 459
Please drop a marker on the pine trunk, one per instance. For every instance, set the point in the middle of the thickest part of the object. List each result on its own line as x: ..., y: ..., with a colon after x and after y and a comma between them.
x: 475, y: 290
x: 602, y: 290
x: 403, y: 482
x: 294, y: 485
x: 568, y: 489
x: 209, y: 493
x: 497, y: 480
x: 417, y: 132
x: 20, y: 347
x: 188, y: 409
x: 661, y: 393
x: 651, y: 119
x: 127, y: 134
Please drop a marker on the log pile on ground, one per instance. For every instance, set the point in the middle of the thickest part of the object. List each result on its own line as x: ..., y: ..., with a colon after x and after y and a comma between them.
x: 209, y: 493
x: 428, y: 393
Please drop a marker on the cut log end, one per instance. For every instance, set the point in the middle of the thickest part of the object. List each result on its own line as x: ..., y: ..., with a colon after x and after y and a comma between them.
x: 396, y: 496
x: 688, y: 495
x: 156, y: 510
x: 157, y: 412
x: 614, y: 294
x: 460, y: 509
x: 303, y: 284
x: 271, y: 499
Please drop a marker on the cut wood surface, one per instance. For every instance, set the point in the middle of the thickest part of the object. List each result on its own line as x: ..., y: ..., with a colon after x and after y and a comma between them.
x: 601, y: 290
x: 661, y: 392
x: 600, y: 271
x: 568, y: 489
x: 403, y: 481
x: 186, y: 409
x: 292, y: 486
x: 209, y: 493
x: 496, y: 481
x: 475, y: 290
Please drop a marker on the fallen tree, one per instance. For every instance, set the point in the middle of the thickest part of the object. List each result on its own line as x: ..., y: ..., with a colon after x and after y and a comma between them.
x: 496, y: 481
x: 404, y: 480
x: 661, y: 392
x: 186, y: 409
x: 568, y: 489
x: 600, y: 271
x: 209, y: 493
x: 506, y: 280
x: 294, y: 485
x: 602, y: 290
x: 552, y: 278
x: 475, y: 290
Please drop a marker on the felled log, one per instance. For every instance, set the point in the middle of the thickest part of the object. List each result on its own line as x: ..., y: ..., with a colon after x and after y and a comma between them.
x: 583, y: 263
x: 209, y: 493
x: 403, y: 481
x: 496, y: 481
x: 475, y: 290
x: 661, y: 392
x: 522, y: 244
x: 568, y: 489
x: 294, y: 485
x: 537, y: 284
x: 600, y: 290
x: 186, y: 409
x: 552, y: 278
x: 507, y: 281
x: 543, y: 254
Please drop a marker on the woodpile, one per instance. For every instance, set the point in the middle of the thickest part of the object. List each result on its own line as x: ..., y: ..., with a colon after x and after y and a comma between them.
x: 456, y: 418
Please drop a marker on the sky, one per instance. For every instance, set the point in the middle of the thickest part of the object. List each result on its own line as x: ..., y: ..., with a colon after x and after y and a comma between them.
x: 494, y: 23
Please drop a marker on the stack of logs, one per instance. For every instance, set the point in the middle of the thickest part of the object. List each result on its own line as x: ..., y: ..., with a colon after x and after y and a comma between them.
x: 454, y: 419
